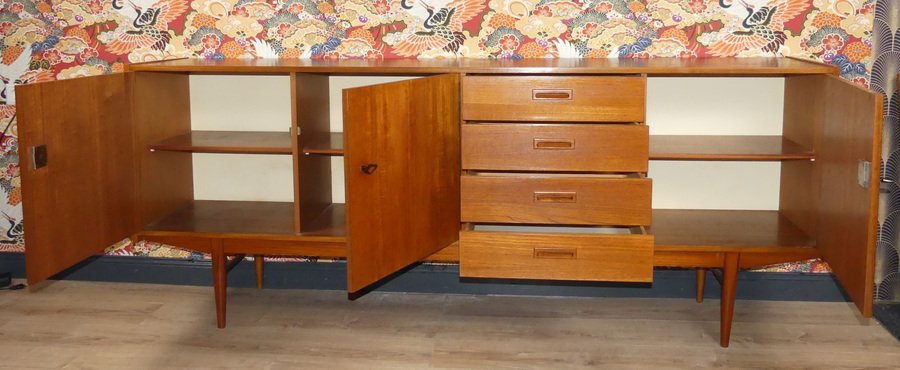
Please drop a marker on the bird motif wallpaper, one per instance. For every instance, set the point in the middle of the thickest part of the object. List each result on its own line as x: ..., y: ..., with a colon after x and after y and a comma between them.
x: 59, y: 39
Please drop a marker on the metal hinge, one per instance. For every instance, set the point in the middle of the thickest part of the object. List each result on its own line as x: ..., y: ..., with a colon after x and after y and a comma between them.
x: 863, y: 173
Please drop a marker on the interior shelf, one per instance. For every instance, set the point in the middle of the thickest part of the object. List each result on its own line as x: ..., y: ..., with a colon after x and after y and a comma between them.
x: 237, y: 142
x: 716, y: 230
x: 247, y: 217
x: 331, y: 144
x: 726, y: 148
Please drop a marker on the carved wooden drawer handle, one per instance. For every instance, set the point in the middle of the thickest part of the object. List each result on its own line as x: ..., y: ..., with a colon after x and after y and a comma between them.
x: 555, y: 196
x: 556, y: 253
x: 551, y: 94
x: 563, y: 144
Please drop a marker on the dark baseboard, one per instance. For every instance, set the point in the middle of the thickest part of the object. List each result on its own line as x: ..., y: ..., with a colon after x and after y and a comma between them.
x: 888, y: 314
x: 429, y: 278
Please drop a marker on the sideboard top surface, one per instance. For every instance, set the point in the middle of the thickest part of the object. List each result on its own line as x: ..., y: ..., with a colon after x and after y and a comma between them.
x: 764, y: 66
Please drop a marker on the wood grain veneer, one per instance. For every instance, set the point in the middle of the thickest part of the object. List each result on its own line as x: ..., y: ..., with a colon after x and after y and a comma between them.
x: 331, y: 143
x: 229, y: 217
x: 554, y: 98
x: 408, y: 207
x: 312, y: 176
x: 727, y: 148
x: 592, y: 148
x: 762, y: 66
x: 800, y: 181
x: 74, y: 186
x: 847, y: 221
x: 237, y: 142
x: 584, y: 257
x: 161, y: 110
x: 725, y: 230
x: 534, y: 199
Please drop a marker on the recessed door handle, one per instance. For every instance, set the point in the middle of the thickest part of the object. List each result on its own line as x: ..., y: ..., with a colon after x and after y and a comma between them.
x: 38, y: 157
x: 551, y: 94
x: 556, y: 253
x: 369, y: 168
x: 554, y: 144
x: 555, y: 196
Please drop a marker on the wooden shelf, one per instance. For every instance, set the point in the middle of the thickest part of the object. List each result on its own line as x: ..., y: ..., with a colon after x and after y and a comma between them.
x: 726, y: 148
x: 237, y: 142
x: 714, y: 230
x: 247, y: 217
x: 331, y: 144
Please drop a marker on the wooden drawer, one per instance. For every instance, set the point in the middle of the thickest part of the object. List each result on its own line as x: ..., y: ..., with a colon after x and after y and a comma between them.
x: 554, y: 98
x: 537, y: 199
x: 553, y: 256
x: 555, y: 147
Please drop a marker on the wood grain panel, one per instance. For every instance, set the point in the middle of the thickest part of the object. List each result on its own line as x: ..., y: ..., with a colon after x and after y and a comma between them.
x: 328, y: 144
x: 86, y: 127
x: 726, y: 148
x: 408, y: 207
x: 758, y: 66
x: 591, y: 148
x: 556, y: 200
x: 848, y: 213
x: 312, y: 173
x: 239, y: 142
x: 800, y: 181
x: 299, y: 247
x: 161, y: 110
x: 238, y: 217
x: 554, y: 98
x: 726, y: 231
x: 583, y: 257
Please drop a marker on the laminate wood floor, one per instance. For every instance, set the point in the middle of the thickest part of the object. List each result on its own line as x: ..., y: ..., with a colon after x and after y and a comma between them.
x: 76, y: 325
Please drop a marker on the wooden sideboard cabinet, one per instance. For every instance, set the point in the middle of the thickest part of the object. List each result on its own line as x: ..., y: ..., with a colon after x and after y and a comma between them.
x: 532, y: 169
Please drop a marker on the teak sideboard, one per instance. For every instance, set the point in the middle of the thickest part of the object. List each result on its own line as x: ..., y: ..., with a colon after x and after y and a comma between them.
x: 454, y: 166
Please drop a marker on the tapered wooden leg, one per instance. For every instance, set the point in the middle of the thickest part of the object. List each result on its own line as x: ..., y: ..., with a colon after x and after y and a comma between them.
x: 701, y: 284
x: 220, y: 280
x: 260, y: 264
x: 729, y: 289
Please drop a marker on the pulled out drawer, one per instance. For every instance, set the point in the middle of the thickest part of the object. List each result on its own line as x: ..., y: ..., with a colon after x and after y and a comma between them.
x: 554, y: 98
x: 555, y: 147
x: 556, y: 199
x: 550, y: 253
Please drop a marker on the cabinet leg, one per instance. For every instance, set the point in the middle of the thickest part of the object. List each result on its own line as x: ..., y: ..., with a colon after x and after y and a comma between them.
x: 220, y: 281
x: 258, y: 259
x: 701, y: 284
x: 729, y: 288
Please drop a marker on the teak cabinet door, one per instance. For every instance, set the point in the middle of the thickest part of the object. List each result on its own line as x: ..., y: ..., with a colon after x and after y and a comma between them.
x: 848, y: 207
x: 401, y: 143
x: 79, y: 193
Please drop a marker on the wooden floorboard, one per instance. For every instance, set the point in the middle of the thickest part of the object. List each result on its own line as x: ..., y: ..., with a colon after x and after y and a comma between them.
x: 76, y: 325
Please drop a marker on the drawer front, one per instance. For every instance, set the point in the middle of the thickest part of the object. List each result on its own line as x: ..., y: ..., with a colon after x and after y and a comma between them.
x: 555, y: 147
x: 556, y: 200
x: 554, y: 98
x: 584, y: 257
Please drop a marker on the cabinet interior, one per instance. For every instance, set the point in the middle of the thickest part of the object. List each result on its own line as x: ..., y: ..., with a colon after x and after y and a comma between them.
x: 748, y: 141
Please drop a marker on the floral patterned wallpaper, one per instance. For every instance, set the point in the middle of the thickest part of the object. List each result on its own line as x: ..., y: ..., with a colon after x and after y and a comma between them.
x: 46, y: 40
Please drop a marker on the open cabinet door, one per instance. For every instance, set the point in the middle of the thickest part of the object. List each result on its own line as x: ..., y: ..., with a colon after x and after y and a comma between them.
x: 76, y: 161
x: 402, y: 168
x: 849, y: 157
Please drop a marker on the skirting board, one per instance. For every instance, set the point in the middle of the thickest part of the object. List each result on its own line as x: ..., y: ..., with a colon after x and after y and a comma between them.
x: 427, y: 278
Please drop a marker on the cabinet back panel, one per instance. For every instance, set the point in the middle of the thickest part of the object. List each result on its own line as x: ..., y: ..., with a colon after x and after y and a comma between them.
x: 241, y: 103
x: 715, y: 106
x: 243, y: 177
